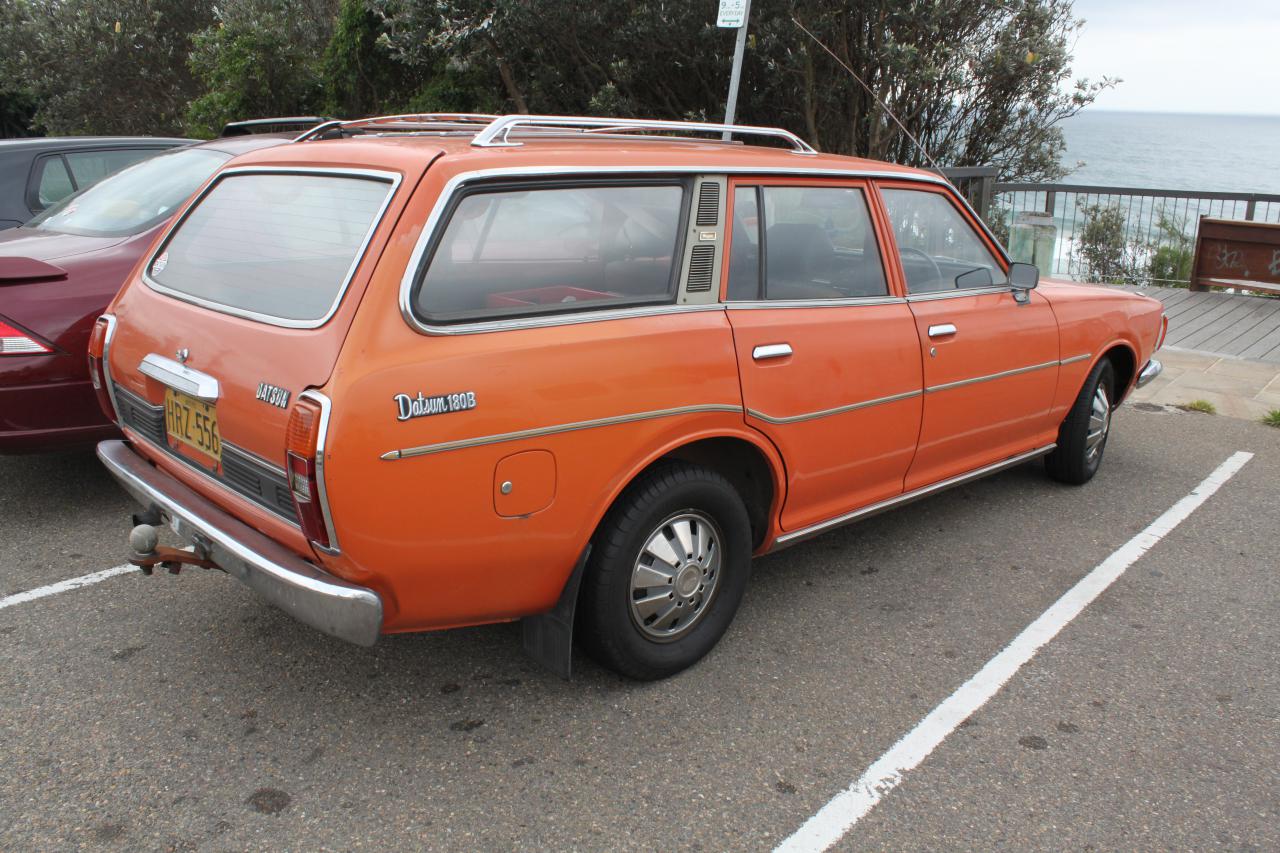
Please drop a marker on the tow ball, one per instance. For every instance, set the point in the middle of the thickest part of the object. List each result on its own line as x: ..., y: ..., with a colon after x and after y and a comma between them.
x: 144, y: 540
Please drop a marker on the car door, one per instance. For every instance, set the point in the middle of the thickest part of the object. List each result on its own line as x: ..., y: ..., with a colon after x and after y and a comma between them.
x: 829, y: 362
x: 990, y: 358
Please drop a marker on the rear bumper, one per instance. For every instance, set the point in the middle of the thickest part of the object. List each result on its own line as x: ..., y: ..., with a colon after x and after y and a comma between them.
x: 310, y: 595
x: 1151, y: 371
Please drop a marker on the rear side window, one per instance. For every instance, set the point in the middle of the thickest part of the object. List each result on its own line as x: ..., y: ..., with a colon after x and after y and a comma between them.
x: 52, y: 182
x: 89, y: 167
x: 509, y: 252
x: 819, y: 243
x: 278, y: 247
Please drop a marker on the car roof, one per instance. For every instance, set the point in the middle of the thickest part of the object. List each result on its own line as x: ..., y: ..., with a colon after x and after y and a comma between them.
x: 237, y: 145
x: 36, y: 143
x: 404, y: 153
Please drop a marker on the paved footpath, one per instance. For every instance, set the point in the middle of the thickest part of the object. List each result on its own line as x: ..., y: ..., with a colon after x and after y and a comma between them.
x: 1236, y: 387
x: 183, y: 714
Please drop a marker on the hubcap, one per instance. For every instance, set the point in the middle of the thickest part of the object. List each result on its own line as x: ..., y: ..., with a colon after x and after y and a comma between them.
x: 1099, y: 424
x: 676, y: 575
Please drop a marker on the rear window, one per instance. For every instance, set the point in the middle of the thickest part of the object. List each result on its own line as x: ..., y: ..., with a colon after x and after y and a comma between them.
x: 513, y: 252
x: 278, y: 247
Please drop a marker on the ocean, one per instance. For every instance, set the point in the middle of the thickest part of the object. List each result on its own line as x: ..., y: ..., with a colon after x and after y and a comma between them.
x: 1179, y: 151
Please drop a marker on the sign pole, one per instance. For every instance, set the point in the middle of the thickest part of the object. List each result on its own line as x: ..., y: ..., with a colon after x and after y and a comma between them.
x: 734, y: 13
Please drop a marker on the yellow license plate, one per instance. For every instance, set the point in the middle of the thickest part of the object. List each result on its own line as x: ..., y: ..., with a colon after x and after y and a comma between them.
x: 193, y: 422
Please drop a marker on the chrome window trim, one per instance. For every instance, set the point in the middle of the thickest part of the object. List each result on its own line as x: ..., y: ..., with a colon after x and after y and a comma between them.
x: 106, y: 364
x: 838, y: 410
x: 538, y: 432
x: 179, y: 377
x: 849, y: 302
x: 392, y: 178
x: 960, y: 383
x: 457, y: 182
x: 955, y: 294
x: 325, y: 409
x: 812, y: 530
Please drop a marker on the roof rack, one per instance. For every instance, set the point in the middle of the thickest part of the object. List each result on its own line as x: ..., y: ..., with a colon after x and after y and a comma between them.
x: 406, y: 122
x: 255, y: 125
x: 497, y: 134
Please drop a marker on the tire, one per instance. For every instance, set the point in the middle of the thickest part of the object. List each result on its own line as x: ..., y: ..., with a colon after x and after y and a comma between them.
x: 625, y: 622
x: 1080, y: 445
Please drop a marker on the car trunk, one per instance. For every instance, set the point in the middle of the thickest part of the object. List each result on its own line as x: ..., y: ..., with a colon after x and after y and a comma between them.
x: 245, y: 305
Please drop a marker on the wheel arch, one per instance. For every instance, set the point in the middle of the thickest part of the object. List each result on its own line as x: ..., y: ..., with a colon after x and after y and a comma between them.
x: 1124, y: 361
x: 752, y: 465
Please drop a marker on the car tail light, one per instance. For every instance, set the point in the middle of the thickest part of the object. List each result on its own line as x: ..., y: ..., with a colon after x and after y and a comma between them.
x: 15, y: 341
x: 97, y: 365
x: 302, y: 440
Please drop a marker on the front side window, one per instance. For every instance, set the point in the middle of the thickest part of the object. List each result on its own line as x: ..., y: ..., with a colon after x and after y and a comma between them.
x: 277, y: 246
x: 940, y: 250
x: 515, y: 252
x: 135, y: 199
x: 818, y: 243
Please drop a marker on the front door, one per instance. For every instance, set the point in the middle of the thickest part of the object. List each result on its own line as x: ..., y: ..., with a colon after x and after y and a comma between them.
x: 828, y: 357
x: 990, y: 360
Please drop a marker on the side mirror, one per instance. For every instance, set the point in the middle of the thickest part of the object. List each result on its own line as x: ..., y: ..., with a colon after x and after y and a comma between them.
x: 1023, y: 278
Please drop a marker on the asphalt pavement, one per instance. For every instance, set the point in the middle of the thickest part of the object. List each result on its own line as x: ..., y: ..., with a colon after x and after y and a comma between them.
x: 182, y: 713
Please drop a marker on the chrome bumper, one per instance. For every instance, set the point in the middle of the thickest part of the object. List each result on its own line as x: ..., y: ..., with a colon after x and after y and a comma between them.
x: 1151, y: 371
x: 308, y: 594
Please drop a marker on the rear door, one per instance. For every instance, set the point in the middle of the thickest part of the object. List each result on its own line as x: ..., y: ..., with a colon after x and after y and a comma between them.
x: 828, y: 357
x: 990, y: 361
x: 243, y: 305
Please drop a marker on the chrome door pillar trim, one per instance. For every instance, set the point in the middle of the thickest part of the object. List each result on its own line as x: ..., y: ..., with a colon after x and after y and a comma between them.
x: 179, y: 377
x: 787, y: 539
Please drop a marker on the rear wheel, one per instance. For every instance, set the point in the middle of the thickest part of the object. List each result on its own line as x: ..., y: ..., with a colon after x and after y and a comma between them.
x: 668, y: 569
x: 1082, y: 438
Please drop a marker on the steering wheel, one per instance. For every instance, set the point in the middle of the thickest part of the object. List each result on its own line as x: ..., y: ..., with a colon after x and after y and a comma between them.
x: 937, y: 271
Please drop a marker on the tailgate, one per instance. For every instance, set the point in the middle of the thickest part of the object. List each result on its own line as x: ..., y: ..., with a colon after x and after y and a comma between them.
x: 243, y: 305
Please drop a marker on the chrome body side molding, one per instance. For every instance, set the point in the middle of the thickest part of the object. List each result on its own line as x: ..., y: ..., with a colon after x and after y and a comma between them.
x: 812, y: 530
x: 538, y: 432
x: 960, y: 383
x: 838, y: 410
x: 179, y: 377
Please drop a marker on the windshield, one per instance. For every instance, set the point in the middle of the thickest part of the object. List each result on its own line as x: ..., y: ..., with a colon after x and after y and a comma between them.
x: 135, y: 199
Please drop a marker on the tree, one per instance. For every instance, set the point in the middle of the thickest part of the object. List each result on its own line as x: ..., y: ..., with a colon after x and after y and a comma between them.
x: 260, y: 58
x: 976, y: 81
x: 103, y: 66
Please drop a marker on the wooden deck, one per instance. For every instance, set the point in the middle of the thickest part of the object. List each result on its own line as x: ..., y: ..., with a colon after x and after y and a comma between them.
x: 1221, y: 323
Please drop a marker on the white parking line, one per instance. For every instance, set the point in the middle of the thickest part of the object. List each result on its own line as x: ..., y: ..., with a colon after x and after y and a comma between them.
x: 65, y: 586
x: 845, y: 809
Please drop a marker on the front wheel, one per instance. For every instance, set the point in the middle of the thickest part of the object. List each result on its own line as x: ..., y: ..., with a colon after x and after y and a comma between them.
x: 1082, y: 438
x: 668, y: 569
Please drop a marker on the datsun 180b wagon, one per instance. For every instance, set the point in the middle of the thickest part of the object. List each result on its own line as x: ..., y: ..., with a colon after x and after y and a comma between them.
x: 420, y: 372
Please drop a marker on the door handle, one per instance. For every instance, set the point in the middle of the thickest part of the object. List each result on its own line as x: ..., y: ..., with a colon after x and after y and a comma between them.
x: 942, y: 330
x: 766, y: 351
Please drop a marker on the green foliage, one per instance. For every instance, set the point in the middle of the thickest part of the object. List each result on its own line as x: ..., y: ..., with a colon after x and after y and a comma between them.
x: 1107, y: 253
x: 1172, y: 253
x: 17, y: 114
x: 1202, y: 406
x: 102, y: 66
x: 977, y: 81
x: 1272, y: 418
x: 260, y: 58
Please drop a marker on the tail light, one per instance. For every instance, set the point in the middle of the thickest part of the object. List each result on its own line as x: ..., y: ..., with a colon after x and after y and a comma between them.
x: 302, y: 449
x: 15, y: 341
x: 98, y: 340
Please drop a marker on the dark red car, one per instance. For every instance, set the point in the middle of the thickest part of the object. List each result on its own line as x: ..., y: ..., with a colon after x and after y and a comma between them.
x: 57, y: 274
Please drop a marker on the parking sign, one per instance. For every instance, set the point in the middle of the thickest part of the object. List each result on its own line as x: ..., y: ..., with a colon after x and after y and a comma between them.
x: 732, y: 14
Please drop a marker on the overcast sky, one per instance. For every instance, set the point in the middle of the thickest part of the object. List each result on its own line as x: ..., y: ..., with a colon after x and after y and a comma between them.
x: 1204, y: 56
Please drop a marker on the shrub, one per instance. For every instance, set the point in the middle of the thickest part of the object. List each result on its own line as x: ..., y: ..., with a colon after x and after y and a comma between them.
x: 1107, y: 253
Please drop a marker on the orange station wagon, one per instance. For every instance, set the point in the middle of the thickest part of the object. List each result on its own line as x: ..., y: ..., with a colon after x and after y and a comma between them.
x: 418, y: 372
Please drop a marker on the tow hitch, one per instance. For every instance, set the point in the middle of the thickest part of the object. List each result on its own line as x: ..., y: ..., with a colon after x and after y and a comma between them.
x: 147, y: 553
